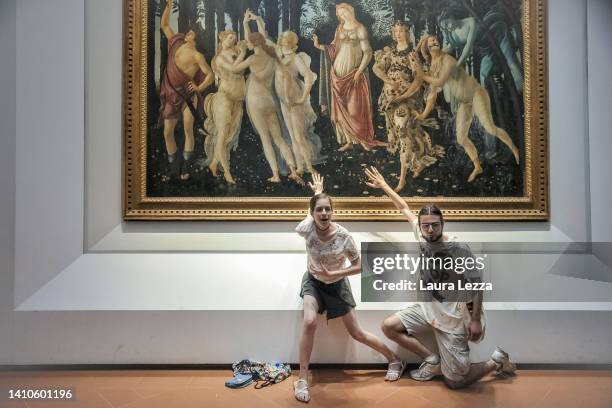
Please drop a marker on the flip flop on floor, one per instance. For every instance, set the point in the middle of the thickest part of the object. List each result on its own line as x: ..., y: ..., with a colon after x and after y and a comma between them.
x: 300, y: 390
x: 239, y: 380
x: 395, y: 370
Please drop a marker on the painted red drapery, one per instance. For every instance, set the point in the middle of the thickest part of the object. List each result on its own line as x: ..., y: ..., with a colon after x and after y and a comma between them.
x: 174, y: 82
x: 351, y: 103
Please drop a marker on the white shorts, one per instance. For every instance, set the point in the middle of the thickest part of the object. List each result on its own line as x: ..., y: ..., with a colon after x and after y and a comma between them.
x: 453, y: 348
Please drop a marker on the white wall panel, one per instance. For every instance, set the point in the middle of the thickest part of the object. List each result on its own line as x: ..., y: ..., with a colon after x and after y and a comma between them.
x: 154, y: 306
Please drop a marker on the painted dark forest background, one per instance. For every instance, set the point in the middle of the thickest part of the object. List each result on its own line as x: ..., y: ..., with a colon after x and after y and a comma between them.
x: 344, y: 171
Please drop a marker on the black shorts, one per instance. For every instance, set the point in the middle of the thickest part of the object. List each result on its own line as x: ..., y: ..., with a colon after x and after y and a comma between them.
x: 335, y: 298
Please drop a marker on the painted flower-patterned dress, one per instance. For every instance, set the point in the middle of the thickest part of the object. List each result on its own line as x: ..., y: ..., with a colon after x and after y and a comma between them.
x: 403, y: 130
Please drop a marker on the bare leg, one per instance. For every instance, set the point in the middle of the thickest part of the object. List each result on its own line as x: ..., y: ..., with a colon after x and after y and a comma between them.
x: 261, y: 126
x: 188, y: 122
x: 223, y: 112
x: 214, y: 162
x: 213, y: 167
x: 463, y: 123
x: 213, y: 155
x: 403, y: 171
x: 352, y: 326
x: 345, y: 147
x: 393, y: 328
x: 222, y: 156
x: 299, y: 159
x: 309, y: 328
x: 419, y: 155
x: 482, y: 109
x: 275, y: 132
x: 297, y: 154
x: 169, y: 125
x: 221, y: 147
x: 477, y: 371
x: 304, y: 147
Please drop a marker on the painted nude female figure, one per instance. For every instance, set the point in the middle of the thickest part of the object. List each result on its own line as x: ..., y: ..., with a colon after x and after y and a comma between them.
x: 224, y: 108
x: 294, y: 96
x: 261, y: 104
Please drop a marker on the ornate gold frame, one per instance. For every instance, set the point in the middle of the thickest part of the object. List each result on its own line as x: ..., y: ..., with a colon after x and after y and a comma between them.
x: 137, y: 206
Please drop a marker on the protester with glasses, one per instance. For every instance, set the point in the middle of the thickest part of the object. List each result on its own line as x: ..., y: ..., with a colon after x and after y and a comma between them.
x: 453, y: 320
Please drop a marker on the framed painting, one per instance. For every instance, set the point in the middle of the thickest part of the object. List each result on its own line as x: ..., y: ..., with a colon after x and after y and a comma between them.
x: 231, y: 106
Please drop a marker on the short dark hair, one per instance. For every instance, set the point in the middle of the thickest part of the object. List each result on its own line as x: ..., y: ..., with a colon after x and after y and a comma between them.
x: 431, y: 209
x: 317, y: 197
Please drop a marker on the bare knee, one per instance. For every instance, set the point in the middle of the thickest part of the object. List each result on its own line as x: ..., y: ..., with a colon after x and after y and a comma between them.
x: 462, y: 139
x: 359, y: 335
x: 169, y: 128
x: 310, y: 324
x: 490, y: 128
x: 388, y: 327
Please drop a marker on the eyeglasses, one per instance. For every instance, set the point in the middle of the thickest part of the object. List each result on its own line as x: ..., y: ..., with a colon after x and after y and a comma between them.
x: 432, y: 225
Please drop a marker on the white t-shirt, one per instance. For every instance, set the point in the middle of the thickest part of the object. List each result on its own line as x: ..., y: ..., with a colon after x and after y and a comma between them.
x: 449, y: 317
x: 332, y: 253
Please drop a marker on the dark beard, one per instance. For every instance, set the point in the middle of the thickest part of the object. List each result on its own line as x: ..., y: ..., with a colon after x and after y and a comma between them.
x: 434, y: 239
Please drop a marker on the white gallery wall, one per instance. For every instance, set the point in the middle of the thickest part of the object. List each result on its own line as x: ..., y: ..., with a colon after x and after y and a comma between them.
x: 78, y: 285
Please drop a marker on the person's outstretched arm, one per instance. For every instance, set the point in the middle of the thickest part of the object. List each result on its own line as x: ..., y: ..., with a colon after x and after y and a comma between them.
x: 165, y: 20
x: 315, y: 42
x: 307, y: 224
x: 378, y: 181
x: 245, y: 23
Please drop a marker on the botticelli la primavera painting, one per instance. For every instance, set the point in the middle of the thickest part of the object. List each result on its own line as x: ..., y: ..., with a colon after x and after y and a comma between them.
x: 231, y: 106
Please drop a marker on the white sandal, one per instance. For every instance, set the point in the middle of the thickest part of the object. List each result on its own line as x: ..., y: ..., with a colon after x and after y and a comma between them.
x: 394, y: 372
x: 300, y: 390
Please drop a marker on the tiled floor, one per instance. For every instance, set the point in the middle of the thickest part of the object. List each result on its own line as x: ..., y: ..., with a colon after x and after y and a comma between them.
x: 329, y: 388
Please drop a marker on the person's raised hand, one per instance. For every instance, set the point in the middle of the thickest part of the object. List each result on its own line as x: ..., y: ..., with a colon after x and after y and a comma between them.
x: 317, y: 183
x: 376, y: 180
